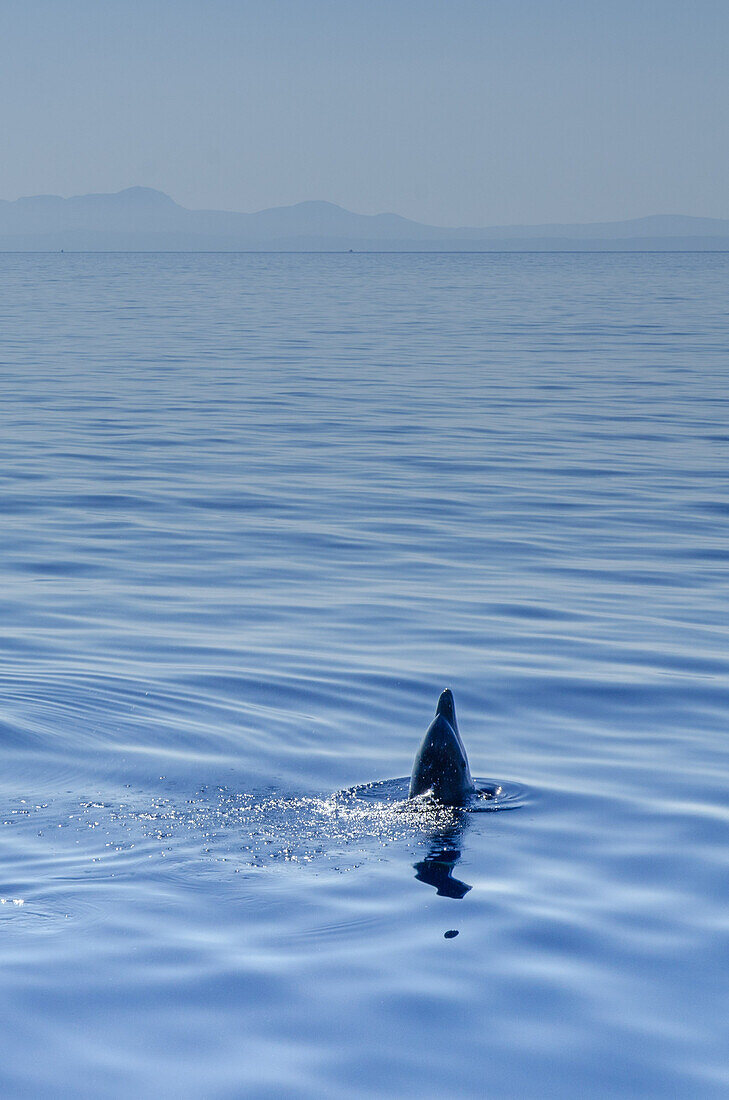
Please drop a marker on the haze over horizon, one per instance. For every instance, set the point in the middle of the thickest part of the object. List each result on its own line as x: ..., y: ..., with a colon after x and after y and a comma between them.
x: 144, y: 219
x: 451, y: 115
x: 325, y: 202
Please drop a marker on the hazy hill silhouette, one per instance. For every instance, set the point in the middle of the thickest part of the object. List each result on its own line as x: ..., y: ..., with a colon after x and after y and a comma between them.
x: 140, y: 218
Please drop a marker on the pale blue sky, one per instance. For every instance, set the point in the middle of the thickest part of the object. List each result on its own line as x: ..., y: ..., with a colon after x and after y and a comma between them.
x: 448, y: 111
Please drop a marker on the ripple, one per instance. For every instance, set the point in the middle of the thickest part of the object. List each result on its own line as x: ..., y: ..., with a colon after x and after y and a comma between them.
x: 491, y: 795
x: 248, y: 537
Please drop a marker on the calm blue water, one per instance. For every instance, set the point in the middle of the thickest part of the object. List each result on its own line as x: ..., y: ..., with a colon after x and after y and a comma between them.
x: 257, y: 511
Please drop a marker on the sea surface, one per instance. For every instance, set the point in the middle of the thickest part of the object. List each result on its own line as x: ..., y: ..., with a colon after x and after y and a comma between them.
x: 257, y: 511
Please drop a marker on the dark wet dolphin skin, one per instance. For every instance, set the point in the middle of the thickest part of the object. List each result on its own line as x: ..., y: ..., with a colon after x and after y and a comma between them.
x: 441, y: 765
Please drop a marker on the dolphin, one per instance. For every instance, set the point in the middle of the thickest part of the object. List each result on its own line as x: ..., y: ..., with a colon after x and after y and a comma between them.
x: 441, y: 765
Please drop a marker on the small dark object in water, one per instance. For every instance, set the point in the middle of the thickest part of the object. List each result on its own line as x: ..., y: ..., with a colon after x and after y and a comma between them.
x: 450, y: 934
x: 441, y: 765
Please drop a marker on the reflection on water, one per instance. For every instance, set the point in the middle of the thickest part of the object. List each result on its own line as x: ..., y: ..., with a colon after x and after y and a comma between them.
x: 444, y: 851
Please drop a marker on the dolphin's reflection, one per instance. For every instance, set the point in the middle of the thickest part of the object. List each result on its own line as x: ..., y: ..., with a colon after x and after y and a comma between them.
x: 444, y: 851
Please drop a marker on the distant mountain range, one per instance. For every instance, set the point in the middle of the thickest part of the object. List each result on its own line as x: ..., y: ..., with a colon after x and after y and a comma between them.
x: 142, y: 219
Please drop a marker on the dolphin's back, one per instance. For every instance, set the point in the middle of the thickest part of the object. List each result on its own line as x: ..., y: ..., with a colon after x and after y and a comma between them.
x: 441, y: 766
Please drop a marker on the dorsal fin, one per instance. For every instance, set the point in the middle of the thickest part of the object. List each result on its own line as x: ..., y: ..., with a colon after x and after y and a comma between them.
x: 447, y: 707
x: 441, y: 765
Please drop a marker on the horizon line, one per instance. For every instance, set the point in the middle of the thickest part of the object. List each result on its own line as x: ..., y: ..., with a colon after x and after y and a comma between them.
x: 363, y: 251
